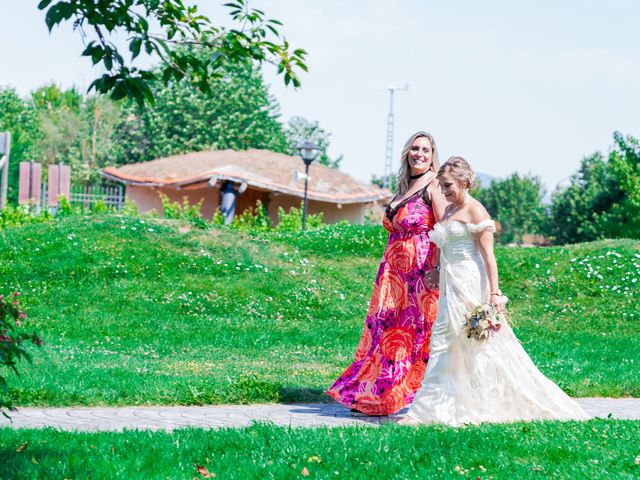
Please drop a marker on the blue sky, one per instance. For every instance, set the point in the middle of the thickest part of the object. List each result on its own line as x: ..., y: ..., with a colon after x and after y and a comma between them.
x: 530, y: 87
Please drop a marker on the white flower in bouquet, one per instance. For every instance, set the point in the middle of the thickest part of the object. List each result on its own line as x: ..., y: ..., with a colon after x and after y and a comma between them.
x: 482, y: 322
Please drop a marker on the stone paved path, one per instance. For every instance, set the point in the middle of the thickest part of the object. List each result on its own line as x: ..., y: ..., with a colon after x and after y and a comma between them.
x: 297, y: 415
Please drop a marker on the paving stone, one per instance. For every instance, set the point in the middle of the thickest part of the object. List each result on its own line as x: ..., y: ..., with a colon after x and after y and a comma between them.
x: 236, y: 416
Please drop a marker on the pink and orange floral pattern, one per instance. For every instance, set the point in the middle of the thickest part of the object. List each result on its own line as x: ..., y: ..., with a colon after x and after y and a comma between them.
x: 393, y: 352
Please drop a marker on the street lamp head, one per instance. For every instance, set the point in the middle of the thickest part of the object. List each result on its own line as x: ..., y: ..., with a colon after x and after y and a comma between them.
x: 308, y: 151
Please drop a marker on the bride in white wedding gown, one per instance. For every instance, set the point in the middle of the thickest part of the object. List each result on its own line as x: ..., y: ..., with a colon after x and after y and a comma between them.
x: 468, y: 380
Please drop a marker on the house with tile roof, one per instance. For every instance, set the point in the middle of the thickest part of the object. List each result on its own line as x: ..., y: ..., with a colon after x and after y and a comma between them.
x: 223, y: 177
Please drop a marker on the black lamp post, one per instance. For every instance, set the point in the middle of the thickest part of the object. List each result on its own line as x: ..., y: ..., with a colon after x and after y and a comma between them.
x: 308, y: 151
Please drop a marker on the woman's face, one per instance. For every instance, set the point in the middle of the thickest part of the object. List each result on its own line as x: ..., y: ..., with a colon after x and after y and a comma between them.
x: 420, y: 156
x: 452, y: 189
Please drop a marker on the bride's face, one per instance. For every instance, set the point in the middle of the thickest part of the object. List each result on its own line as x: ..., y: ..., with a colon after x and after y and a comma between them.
x: 452, y: 189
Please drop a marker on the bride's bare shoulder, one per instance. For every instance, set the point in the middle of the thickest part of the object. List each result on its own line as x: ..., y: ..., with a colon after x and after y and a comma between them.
x: 477, y: 213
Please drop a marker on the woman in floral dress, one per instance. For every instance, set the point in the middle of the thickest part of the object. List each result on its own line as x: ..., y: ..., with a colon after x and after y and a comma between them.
x: 394, y: 348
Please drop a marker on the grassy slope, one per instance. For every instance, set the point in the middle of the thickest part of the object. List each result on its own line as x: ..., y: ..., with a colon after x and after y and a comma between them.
x: 594, y: 449
x: 142, y: 312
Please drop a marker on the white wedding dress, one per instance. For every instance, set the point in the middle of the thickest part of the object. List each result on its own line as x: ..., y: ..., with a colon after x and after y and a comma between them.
x: 472, y: 381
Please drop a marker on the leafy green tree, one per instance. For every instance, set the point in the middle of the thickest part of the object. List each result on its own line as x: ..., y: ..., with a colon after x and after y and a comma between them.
x: 156, y: 28
x: 300, y: 130
x: 60, y: 123
x: 238, y: 114
x: 623, y: 219
x: 516, y: 203
x: 574, y: 209
x: 51, y: 97
x: 603, y: 199
x: 19, y: 117
x: 100, y: 116
x: 379, y: 181
x: 76, y: 130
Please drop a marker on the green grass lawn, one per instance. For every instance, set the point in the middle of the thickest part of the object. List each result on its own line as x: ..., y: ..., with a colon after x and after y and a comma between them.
x: 573, y: 450
x: 145, y: 311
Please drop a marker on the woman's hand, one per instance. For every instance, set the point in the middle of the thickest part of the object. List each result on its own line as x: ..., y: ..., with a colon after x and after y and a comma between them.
x: 432, y: 279
x: 499, y: 301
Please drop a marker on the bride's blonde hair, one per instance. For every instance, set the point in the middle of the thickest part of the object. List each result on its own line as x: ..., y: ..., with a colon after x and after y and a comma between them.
x: 405, y: 171
x: 460, y: 169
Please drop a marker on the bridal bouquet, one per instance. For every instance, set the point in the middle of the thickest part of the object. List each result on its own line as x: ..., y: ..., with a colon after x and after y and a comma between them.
x: 482, y: 322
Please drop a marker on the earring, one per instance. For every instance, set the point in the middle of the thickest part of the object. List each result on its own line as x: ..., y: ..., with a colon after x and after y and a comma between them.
x: 466, y: 195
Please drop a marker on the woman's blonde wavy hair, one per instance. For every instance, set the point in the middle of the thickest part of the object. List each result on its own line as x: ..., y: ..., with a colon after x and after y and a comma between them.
x: 405, y: 171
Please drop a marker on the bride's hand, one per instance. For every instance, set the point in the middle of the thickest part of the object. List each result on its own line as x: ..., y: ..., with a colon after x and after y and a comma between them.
x: 432, y: 279
x: 499, y: 301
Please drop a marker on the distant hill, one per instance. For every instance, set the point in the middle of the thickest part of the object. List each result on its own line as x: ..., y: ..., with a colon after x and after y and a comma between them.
x: 485, y: 180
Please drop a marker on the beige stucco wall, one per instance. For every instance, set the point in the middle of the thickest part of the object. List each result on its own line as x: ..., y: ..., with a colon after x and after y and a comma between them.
x: 147, y: 199
x: 332, y: 212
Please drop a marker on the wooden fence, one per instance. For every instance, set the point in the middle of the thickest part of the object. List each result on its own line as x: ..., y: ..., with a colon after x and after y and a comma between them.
x: 45, y: 194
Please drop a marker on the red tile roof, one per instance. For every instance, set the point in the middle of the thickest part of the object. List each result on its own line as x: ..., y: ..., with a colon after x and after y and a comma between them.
x: 261, y: 169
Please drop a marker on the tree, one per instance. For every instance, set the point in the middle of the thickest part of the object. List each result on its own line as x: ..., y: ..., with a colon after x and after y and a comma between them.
x: 603, y: 200
x: 238, y: 114
x: 19, y: 117
x: 76, y: 130
x: 60, y: 124
x: 517, y: 204
x: 379, y: 181
x: 50, y: 97
x: 300, y: 130
x: 574, y: 209
x: 623, y: 219
x: 252, y: 38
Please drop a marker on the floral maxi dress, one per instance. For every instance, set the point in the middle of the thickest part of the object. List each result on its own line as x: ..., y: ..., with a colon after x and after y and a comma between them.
x: 391, y: 357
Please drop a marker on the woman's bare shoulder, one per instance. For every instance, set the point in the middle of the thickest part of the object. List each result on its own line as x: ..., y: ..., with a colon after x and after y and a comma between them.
x: 476, y: 212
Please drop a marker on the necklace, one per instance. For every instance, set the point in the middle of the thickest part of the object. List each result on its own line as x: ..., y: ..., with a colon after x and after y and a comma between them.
x: 455, y: 208
x: 415, y: 177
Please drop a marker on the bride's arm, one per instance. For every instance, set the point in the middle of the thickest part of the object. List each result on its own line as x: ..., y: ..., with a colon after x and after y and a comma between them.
x: 484, y: 240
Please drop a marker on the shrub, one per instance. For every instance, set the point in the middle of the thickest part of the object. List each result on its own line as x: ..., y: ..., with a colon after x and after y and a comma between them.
x: 12, y: 340
x: 184, y: 211
x: 101, y: 207
x: 129, y: 209
x: 292, y: 221
x: 256, y: 219
x: 64, y: 206
x: 22, y: 214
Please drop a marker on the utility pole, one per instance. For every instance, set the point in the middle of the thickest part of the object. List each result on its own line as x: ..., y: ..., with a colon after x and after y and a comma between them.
x: 388, y: 158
